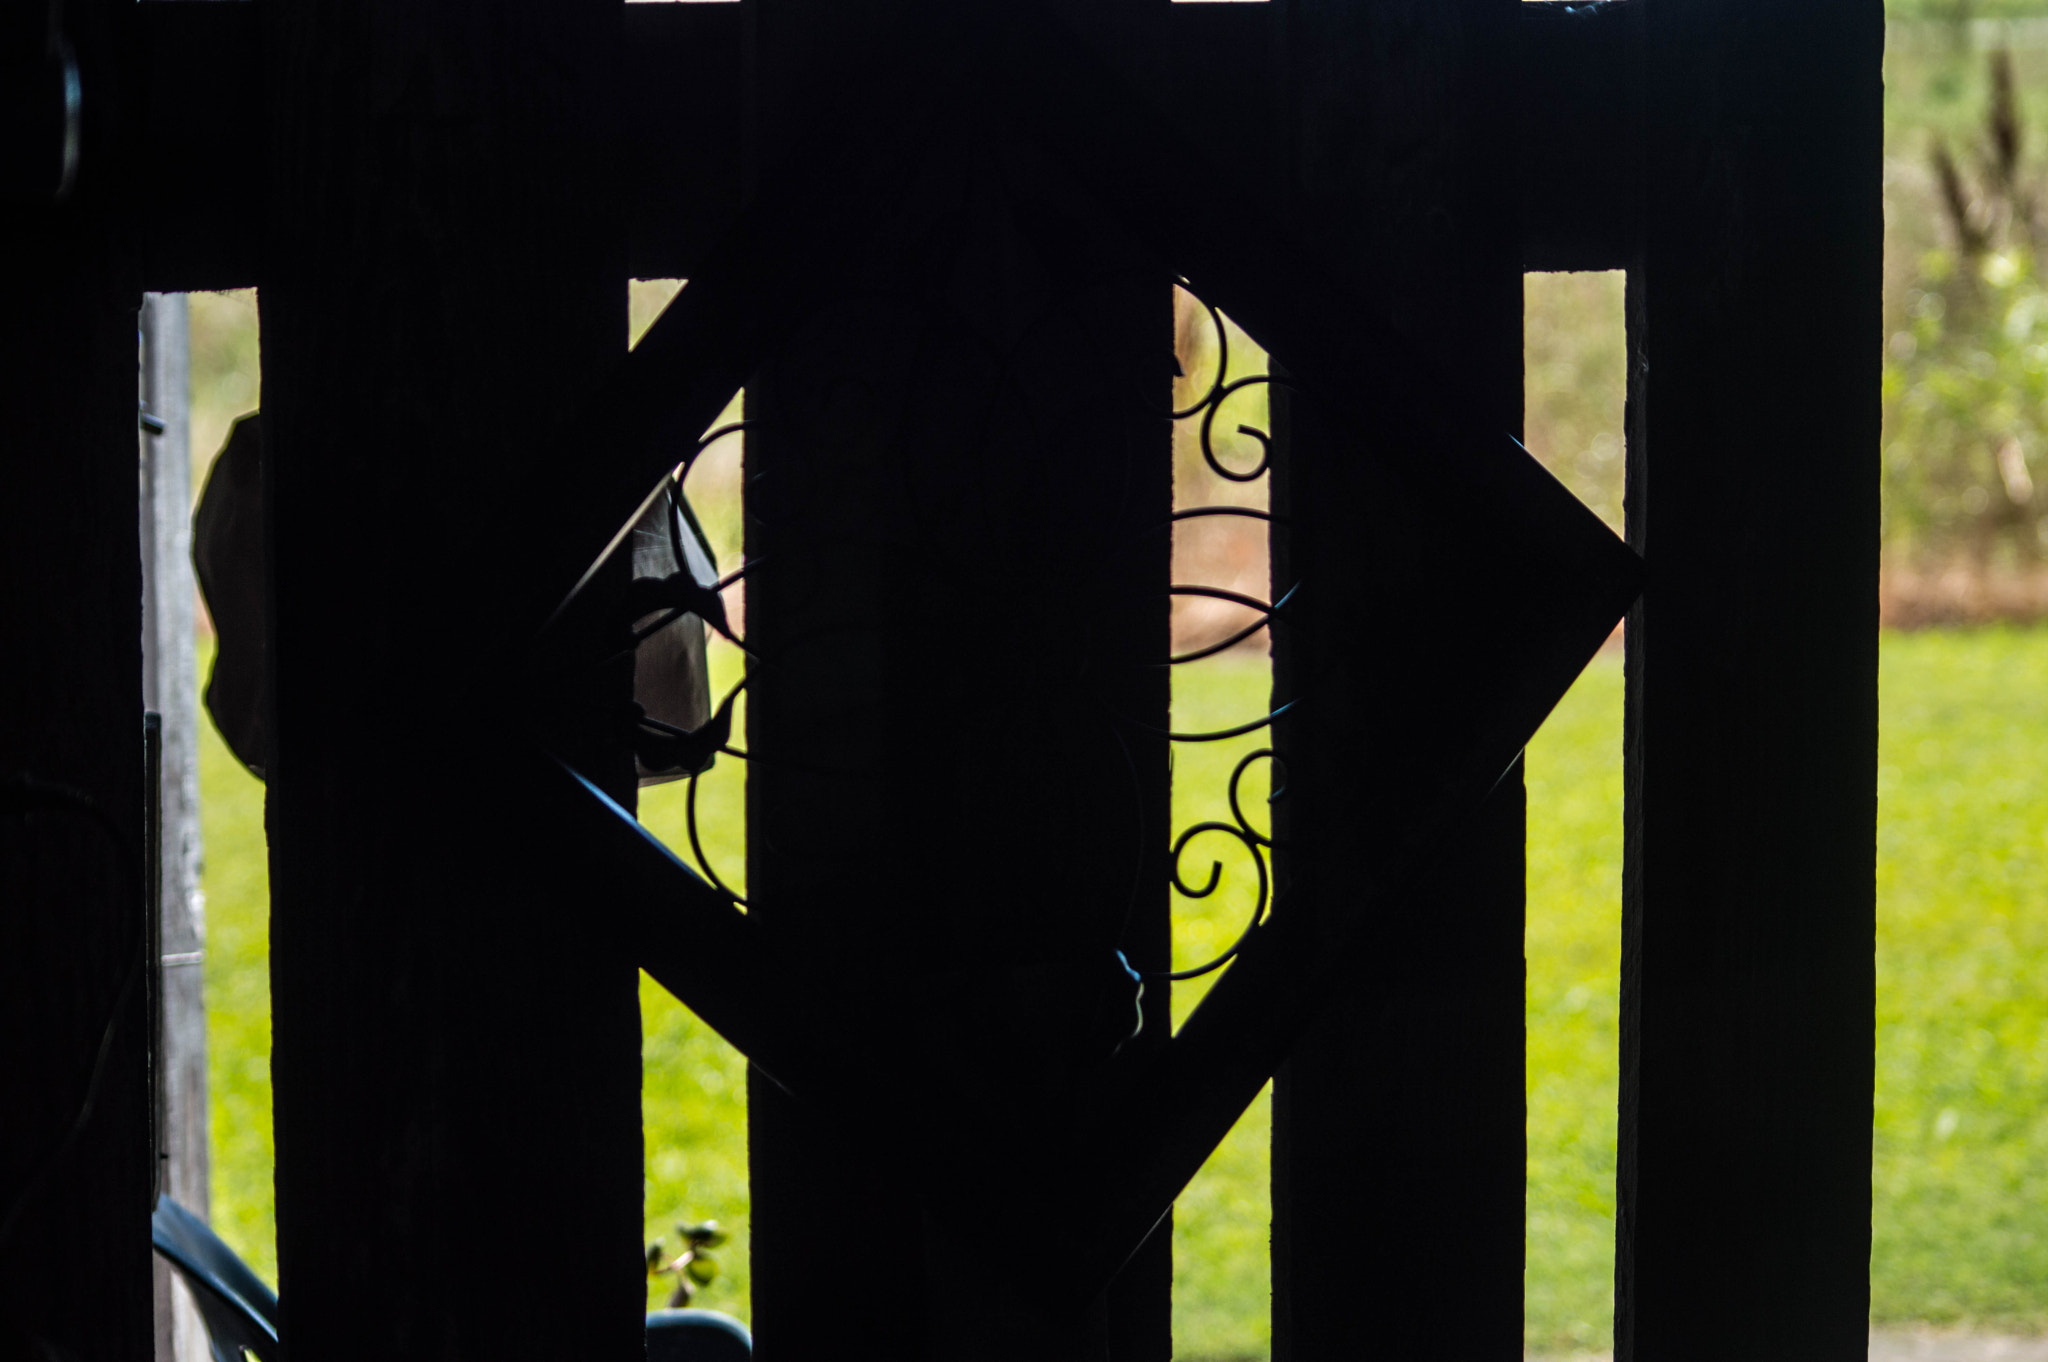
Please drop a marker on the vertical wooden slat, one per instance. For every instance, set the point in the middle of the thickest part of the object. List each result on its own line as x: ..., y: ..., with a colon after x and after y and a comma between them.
x: 809, y: 1185
x: 1398, y: 1121
x: 1133, y: 625
x: 456, y: 1047
x: 75, y: 1159
x: 938, y: 806
x: 957, y: 501
x: 1747, y: 989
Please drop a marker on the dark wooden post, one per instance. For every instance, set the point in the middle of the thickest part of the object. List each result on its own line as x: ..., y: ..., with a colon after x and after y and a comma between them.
x: 958, y: 495
x: 1398, y: 1120
x: 456, y: 1045
x: 75, y: 1155
x: 1752, y: 686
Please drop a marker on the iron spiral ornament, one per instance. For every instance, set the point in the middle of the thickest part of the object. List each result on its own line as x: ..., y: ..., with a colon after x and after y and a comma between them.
x: 1205, y: 415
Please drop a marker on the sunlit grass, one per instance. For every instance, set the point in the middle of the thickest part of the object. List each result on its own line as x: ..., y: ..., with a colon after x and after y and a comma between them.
x: 1221, y: 1252
x: 1961, y: 1142
x: 1573, y: 949
x: 694, y: 1085
x: 237, y: 886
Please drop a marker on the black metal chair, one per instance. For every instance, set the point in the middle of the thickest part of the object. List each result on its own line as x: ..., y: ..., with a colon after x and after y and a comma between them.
x: 241, y: 1312
x: 697, y: 1336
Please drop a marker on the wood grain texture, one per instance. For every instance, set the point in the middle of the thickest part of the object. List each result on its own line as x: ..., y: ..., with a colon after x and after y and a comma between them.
x: 683, y: 108
x: 1398, y: 1119
x: 170, y: 687
x: 75, y: 1261
x: 1579, y: 133
x: 679, y: 108
x: 199, y: 143
x: 456, y: 1051
x: 1747, y: 974
x: 957, y: 498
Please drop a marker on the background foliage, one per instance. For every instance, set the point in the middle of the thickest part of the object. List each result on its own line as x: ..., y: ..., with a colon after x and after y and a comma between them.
x: 1966, y: 358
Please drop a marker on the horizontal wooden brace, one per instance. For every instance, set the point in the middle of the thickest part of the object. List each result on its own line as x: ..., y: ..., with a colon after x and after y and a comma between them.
x: 201, y: 192
x: 199, y: 145
x: 682, y: 141
x: 201, y: 127
x: 695, y: 943
x: 684, y: 101
x: 1581, y: 132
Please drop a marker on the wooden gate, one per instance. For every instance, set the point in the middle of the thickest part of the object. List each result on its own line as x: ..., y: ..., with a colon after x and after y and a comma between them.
x: 938, y: 245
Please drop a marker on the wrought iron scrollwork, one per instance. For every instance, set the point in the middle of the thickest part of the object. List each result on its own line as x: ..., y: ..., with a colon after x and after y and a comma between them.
x: 656, y: 603
x: 661, y: 603
x: 720, y: 727
x: 1237, y: 809
x: 1204, y: 412
x: 1212, y: 402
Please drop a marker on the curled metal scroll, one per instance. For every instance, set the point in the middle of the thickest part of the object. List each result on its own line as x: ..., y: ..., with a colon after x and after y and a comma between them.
x: 1204, y: 411
x: 725, y: 706
x: 1218, y: 394
x: 697, y: 852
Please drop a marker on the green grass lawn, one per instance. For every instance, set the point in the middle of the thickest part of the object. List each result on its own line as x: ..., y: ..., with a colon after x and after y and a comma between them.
x: 237, y: 887
x: 1573, y: 945
x: 1961, y: 1177
x: 1962, y: 1103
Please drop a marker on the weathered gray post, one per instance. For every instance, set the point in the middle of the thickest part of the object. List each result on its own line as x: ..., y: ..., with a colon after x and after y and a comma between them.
x: 170, y: 687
